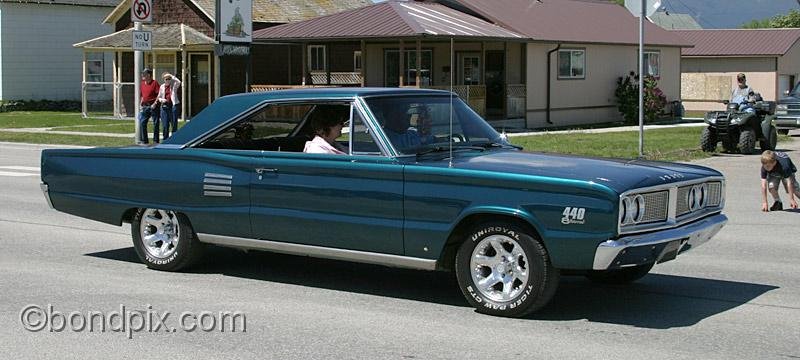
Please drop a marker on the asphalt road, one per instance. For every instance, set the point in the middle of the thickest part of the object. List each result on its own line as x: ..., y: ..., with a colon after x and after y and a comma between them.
x: 737, y: 297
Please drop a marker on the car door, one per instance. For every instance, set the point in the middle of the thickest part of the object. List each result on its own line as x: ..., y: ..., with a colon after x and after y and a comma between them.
x: 352, y: 201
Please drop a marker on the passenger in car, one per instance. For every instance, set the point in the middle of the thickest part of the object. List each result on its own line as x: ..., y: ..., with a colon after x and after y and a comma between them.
x: 326, y: 129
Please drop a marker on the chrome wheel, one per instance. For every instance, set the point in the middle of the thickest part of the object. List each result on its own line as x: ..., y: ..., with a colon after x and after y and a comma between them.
x: 159, y: 231
x: 499, y: 268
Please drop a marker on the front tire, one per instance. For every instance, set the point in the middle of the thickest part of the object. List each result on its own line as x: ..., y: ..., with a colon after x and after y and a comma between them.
x: 165, y: 240
x: 708, y: 140
x: 770, y: 141
x: 620, y: 276
x: 783, y: 131
x: 747, y: 141
x: 504, y: 271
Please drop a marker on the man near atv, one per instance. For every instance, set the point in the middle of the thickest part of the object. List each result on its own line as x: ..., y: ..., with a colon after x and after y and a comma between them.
x: 743, y: 94
x: 777, y: 168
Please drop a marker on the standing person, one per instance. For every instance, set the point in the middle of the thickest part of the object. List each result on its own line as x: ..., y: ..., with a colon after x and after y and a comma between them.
x: 170, y: 98
x: 148, y: 92
x: 777, y: 168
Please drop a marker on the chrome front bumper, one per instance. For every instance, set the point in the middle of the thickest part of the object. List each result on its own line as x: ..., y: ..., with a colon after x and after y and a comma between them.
x: 787, y: 122
x: 657, y: 246
x: 46, y: 192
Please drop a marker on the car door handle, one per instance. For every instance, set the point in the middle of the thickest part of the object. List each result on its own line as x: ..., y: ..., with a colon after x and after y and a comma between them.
x: 262, y: 171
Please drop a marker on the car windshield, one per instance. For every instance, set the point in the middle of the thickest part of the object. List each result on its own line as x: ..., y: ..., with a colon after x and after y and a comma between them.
x: 796, y: 89
x: 421, y: 124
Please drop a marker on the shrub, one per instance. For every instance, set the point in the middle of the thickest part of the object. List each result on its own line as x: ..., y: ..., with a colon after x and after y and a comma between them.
x: 40, y: 105
x: 627, y: 95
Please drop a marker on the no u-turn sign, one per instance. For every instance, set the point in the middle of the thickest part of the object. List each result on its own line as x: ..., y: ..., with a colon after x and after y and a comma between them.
x: 142, y: 11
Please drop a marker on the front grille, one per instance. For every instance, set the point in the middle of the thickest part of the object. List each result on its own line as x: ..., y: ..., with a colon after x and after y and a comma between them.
x: 722, y: 122
x: 714, y: 194
x: 655, y: 206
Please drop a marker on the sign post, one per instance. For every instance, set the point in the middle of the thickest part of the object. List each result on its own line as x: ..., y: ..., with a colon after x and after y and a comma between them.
x: 141, y: 11
x: 642, y: 9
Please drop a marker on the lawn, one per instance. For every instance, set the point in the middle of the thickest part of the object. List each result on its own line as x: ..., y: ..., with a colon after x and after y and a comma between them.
x: 42, y: 119
x: 671, y: 144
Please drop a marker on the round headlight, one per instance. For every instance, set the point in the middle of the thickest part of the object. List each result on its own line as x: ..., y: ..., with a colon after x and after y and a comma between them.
x: 632, y: 209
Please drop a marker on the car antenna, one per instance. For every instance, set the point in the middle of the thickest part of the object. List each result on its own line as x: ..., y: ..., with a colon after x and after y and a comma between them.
x: 450, y: 140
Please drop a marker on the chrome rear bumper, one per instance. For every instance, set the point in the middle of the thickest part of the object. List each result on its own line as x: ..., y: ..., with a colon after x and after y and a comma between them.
x: 46, y: 192
x: 657, y: 246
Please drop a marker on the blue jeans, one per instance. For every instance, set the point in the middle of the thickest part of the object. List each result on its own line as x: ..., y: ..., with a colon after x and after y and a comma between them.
x: 145, y: 115
x: 170, y: 114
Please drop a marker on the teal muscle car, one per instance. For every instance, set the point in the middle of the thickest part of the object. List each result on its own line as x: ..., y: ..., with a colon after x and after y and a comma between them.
x: 422, y: 182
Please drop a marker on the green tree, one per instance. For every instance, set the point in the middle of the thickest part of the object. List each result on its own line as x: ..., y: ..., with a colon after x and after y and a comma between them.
x: 627, y: 95
x: 789, y: 20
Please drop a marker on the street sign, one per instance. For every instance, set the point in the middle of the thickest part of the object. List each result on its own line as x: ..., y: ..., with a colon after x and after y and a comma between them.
x: 142, y: 40
x: 635, y: 7
x: 142, y: 11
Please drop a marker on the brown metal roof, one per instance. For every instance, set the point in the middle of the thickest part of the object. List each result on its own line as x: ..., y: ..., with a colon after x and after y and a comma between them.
x: 739, y: 42
x: 389, y: 19
x: 573, y: 21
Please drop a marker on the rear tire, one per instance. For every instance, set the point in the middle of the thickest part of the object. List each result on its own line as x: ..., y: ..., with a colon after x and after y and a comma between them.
x: 747, y: 141
x: 504, y: 271
x: 708, y: 140
x: 770, y: 140
x: 165, y: 240
x: 620, y: 276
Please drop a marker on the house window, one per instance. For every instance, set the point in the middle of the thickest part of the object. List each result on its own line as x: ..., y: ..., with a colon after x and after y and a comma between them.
x: 652, y: 63
x: 160, y: 63
x: 392, y: 64
x: 470, y: 73
x: 571, y: 64
x: 94, y: 70
x: 316, y: 58
x: 357, y: 61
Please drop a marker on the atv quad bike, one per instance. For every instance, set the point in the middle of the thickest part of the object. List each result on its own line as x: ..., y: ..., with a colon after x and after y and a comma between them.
x: 739, y: 130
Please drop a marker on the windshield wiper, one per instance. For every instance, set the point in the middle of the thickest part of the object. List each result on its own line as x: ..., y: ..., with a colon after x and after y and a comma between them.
x: 440, y: 148
x: 492, y: 144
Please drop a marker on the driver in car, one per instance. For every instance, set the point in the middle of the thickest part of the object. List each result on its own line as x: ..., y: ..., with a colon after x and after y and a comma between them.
x: 403, y: 135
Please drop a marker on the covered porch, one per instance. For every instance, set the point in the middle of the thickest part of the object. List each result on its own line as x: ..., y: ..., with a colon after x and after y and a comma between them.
x: 399, y: 44
x: 176, y: 48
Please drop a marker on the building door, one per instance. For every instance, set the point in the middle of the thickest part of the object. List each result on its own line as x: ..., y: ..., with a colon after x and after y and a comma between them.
x: 495, y: 83
x: 199, y: 82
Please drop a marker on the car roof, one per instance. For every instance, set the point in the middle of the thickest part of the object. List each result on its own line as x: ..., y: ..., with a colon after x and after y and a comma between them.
x: 227, y: 107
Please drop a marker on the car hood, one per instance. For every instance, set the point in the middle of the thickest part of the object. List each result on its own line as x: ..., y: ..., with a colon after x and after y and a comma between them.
x: 618, y: 174
x: 792, y: 98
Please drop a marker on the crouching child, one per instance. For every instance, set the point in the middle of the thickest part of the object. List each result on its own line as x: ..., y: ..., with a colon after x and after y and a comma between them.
x: 777, y: 168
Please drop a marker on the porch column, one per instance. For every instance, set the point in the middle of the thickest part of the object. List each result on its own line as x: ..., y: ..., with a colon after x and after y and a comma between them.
x: 419, y: 62
x: 402, y: 62
x: 505, y: 80
x: 363, y: 63
x: 115, y: 86
x: 304, y: 50
x: 483, y: 63
x: 328, y: 62
x: 184, y: 74
x: 83, y: 85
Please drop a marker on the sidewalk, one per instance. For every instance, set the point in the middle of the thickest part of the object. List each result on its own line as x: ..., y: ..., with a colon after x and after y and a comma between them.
x: 57, y: 132
x: 605, y: 130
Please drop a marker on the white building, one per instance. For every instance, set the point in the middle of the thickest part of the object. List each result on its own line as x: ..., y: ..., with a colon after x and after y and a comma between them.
x: 37, y: 59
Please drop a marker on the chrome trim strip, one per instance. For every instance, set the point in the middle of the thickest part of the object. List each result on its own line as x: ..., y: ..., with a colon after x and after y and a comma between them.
x: 697, y: 234
x: 46, y: 192
x: 217, y: 193
x: 321, y: 252
x: 217, y: 181
x: 216, y: 187
x: 221, y: 176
